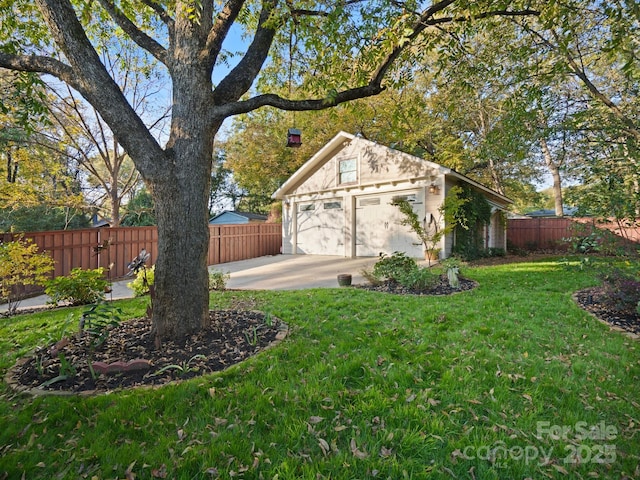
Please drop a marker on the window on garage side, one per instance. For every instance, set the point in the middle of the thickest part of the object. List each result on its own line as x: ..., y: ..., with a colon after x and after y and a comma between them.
x: 332, y: 205
x: 347, y: 169
x: 307, y: 207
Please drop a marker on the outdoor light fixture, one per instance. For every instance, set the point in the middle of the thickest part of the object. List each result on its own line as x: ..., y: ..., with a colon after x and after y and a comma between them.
x: 434, y: 188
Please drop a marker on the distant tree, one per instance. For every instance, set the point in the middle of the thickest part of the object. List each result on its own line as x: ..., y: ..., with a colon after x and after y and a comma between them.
x: 224, y: 193
x: 42, y: 218
x: 139, y: 211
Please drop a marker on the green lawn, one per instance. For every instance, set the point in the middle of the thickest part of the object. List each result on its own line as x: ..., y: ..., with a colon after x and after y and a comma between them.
x: 510, y: 380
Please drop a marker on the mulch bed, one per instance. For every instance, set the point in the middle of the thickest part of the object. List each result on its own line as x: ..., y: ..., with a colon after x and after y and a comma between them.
x: 591, y: 299
x: 233, y: 336
x: 442, y: 287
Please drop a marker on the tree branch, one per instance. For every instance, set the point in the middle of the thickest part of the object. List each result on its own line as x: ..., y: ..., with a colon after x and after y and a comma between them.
x: 90, y: 77
x: 164, y: 16
x: 220, y: 29
x: 143, y: 40
x: 578, y: 70
x: 240, y: 79
x: 235, y: 108
x: 39, y: 64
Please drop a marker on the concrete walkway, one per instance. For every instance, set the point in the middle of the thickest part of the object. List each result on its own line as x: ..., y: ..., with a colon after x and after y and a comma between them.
x: 278, y: 272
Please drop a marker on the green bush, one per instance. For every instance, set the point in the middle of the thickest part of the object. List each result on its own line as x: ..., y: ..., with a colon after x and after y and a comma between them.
x: 138, y: 285
x: 218, y: 280
x: 394, y: 267
x: 80, y: 287
x: 21, y: 264
x: 419, y: 279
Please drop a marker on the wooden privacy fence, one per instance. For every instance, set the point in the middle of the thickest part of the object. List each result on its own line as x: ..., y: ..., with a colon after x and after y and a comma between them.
x: 79, y: 248
x: 548, y: 233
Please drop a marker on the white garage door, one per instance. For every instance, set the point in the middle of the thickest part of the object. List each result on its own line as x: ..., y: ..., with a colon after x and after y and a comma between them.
x: 379, y: 228
x: 321, y: 227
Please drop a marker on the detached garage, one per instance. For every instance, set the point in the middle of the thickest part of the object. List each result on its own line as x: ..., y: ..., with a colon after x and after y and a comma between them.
x: 339, y: 202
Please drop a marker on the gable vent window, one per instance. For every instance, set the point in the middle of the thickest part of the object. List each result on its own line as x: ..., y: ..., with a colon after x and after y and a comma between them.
x: 309, y: 207
x: 369, y: 201
x: 348, y: 171
x: 332, y: 205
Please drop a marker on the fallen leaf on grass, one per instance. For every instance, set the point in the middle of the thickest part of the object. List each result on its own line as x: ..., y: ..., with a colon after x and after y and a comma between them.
x: 324, y: 446
x: 129, y: 475
x: 385, y: 452
x: 159, y: 472
x: 561, y: 469
x: 356, y: 452
x: 314, y: 420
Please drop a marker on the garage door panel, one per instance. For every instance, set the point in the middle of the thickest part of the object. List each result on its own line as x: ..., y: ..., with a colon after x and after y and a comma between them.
x: 379, y: 228
x: 321, y: 228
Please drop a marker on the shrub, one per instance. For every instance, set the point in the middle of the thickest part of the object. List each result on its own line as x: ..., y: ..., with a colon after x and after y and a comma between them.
x: 419, y: 279
x: 80, y: 287
x: 218, y: 280
x: 621, y: 291
x: 21, y: 264
x: 138, y: 285
x: 394, y: 267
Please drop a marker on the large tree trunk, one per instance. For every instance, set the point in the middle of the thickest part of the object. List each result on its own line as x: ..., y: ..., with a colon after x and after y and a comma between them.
x: 181, y: 302
x: 555, y: 174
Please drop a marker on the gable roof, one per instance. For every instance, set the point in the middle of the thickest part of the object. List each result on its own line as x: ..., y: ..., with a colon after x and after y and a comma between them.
x: 340, y: 141
x: 234, y: 213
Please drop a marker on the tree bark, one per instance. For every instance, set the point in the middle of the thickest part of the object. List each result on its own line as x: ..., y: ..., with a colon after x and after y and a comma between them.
x: 555, y: 174
x: 181, y: 303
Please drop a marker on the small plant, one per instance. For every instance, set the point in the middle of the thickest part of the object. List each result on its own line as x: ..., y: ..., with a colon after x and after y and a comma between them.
x: 21, y: 264
x: 145, y: 277
x: 96, y: 323
x: 394, y: 267
x: 80, y: 287
x: 430, y: 233
x: 218, y: 280
x: 183, y: 368
x: 252, y: 336
x: 67, y: 370
x: 419, y: 279
x: 584, y: 244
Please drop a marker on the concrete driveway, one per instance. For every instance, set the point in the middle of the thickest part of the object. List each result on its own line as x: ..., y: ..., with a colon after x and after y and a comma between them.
x: 278, y: 272
x: 292, y: 272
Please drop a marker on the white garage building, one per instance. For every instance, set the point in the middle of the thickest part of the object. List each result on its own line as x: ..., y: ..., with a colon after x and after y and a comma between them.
x: 338, y: 202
